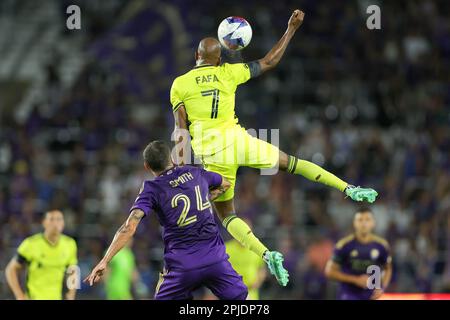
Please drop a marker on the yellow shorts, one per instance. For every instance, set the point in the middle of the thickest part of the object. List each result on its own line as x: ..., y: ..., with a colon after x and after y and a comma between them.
x: 245, y: 151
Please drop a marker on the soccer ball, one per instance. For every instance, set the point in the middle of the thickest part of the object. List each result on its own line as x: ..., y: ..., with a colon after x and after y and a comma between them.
x: 234, y: 33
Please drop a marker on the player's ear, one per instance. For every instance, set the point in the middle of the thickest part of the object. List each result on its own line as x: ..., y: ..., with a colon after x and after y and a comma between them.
x: 219, y: 61
x: 196, y: 55
x: 146, y: 166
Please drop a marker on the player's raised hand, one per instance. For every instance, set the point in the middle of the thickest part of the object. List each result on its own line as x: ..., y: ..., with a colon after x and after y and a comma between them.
x: 296, y: 19
x: 96, y: 273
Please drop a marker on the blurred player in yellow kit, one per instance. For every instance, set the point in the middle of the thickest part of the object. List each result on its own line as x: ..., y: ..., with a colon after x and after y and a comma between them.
x: 248, y: 265
x: 47, y: 256
x: 203, y: 102
x: 121, y: 274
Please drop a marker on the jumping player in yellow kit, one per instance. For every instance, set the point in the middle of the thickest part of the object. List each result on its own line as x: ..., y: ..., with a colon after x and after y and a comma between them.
x: 203, y: 102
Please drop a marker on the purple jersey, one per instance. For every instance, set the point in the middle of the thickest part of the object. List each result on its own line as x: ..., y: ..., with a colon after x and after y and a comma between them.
x: 354, y: 258
x: 180, y: 198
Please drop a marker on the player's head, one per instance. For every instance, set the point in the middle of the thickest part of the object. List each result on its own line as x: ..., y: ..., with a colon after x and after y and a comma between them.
x: 208, y: 51
x: 53, y: 222
x: 157, y: 157
x: 364, y: 221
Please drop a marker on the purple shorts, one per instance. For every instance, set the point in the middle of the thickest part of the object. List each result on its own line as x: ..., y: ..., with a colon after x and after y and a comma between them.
x: 224, y: 282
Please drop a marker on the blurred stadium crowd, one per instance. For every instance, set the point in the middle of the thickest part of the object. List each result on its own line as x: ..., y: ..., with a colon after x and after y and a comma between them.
x: 372, y: 106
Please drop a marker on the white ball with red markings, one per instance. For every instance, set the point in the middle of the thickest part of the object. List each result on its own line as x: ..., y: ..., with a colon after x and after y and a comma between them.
x: 234, y: 33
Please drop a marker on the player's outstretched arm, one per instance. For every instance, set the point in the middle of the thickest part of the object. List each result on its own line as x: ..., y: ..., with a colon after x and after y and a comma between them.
x: 180, y: 134
x: 273, y: 57
x: 12, y: 277
x: 333, y: 272
x: 121, y: 238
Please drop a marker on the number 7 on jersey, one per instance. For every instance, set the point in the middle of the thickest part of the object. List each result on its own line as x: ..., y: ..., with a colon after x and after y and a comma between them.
x: 215, y: 101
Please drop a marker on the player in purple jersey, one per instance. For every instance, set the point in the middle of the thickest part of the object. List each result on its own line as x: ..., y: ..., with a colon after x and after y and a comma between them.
x: 194, y: 254
x: 354, y: 254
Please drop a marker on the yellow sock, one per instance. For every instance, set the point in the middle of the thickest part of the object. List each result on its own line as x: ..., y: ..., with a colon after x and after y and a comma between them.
x: 315, y: 173
x: 243, y: 234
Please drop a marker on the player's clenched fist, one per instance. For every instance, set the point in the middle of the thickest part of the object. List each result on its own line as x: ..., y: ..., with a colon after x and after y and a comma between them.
x: 296, y: 19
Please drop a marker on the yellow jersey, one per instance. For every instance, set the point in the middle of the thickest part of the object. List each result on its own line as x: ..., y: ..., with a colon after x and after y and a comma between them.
x: 208, y: 95
x: 47, y: 264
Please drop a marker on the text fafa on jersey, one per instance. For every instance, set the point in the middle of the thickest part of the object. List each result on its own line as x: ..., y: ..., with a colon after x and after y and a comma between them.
x: 208, y: 94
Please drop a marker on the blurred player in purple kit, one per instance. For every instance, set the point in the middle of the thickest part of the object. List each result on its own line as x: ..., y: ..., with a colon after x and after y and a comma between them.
x: 194, y: 254
x: 354, y: 254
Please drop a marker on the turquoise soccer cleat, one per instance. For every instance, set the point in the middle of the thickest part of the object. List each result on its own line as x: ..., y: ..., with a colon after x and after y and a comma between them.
x: 361, y: 194
x: 274, y: 262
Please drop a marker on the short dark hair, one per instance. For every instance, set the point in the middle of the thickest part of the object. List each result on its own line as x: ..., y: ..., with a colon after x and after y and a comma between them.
x: 364, y: 209
x: 45, y: 214
x: 157, y: 155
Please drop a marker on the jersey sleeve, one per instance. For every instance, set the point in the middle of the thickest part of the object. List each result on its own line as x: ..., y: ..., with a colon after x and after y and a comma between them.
x: 213, y: 179
x: 146, y: 199
x: 338, y: 255
x: 24, y: 252
x: 385, y: 256
x: 238, y: 72
x: 175, y: 96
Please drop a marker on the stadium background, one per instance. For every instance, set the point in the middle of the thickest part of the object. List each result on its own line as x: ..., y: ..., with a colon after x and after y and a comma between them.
x: 77, y: 107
